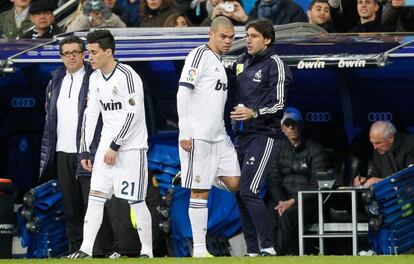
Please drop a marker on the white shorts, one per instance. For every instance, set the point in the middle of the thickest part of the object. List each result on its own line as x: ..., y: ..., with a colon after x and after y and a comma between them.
x: 206, y: 161
x: 126, y: 179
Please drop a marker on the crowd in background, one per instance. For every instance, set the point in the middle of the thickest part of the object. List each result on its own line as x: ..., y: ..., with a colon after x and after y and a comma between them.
x: 35, y: 18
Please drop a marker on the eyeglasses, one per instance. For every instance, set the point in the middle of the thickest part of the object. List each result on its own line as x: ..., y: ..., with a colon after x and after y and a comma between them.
x: 67, y: 54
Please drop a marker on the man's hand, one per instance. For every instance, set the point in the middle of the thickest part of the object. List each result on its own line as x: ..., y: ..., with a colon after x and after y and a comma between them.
x: 397, y: 3
x: 359, y: 181
x: 241, y: 113
x: 238, y: 14
x: 371, y: 181
x: 86, y: 164
x: 186, y: 144
x: 110, y: 156
x: 284, y: 205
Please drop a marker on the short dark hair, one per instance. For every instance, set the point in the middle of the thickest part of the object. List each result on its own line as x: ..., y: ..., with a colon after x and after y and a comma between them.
x: 103, y: 37
x: 265, y: 27
x: 72, y: 39
x: 318, y: 1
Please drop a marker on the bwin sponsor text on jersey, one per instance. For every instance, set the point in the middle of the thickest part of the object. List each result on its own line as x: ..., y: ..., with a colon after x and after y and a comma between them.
x: 111, y: 106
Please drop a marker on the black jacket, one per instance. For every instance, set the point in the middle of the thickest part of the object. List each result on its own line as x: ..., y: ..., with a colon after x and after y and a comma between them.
x: 294, y: 169
x: 399, y: 157
x: 263, y: 82
x: 372, y: 26
x: 280, y: 12
x: 32, y: 34
x: 48, y: 147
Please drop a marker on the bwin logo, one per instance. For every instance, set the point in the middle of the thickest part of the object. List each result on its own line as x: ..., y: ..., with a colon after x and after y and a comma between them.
x: 111, y: 106
x: 318, y: 117
x: 379, y: 116
x: 220, y: 85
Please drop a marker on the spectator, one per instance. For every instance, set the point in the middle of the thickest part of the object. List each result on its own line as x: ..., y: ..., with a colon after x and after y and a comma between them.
x: 293, y: 169
x: 393, y: 151
x: 262, y: 85
x: 155, y: 12
x: 344, y: 14
x: 41, y: 14
x: 15, y: 21
x: 398, y: 17
x: 128, y: 12
x: 177, y: 20
x: 198, y: 10
x: 238, y: 17
x: 278, y: 11
x: 319, y: 13
x: 369, y: 21
x: 95, y: 14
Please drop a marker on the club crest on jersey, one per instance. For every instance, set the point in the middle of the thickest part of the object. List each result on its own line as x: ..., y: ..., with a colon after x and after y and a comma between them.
x: 257, y: 76
x: 111, y: 106
x: 192, y: 73
x: 197, y: 179
x: 239, y: 68
x: 114, y: 90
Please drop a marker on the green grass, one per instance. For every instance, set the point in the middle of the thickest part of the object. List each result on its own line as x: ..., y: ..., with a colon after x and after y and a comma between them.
x: 406, y: 259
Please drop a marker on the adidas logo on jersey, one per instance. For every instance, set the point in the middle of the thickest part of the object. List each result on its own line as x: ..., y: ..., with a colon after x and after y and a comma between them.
x: 111, y: 106
x: 251, y: 161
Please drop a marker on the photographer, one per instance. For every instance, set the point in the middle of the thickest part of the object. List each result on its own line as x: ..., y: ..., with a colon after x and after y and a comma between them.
x: 95, y: 14
x: 230, y: 9
x: 397, y: 16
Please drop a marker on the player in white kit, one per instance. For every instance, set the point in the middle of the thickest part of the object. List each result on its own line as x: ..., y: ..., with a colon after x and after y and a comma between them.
x: 207, y: 154
x: 120, y: 165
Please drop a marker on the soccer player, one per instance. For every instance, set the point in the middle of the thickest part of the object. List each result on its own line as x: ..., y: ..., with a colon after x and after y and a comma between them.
x: 120, y: 166
x: 207, y: 154
x: 262, y: 85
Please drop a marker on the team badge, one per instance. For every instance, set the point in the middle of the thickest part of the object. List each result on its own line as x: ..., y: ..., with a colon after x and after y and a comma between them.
x: 192, y: 73
x: 114, y: 90
x: 239, y: 68
x: 257, y: 76
x: 131, y: 101
x: 197, y: 179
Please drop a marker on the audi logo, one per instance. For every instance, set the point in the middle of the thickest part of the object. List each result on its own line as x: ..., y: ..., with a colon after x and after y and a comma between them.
x: 23, y: 102
x: 318, y: 117
x: 379, y: 116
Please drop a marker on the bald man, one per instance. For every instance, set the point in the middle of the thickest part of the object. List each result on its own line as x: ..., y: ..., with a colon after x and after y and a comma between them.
x: 207, y: 154
x: 393, y: 151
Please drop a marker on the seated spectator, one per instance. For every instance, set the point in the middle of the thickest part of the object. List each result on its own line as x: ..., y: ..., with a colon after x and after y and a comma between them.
x: 344, y: 14
x: 177, y: 20
x: 155, y: 12
x: 293, y: 169
x: 369, y: 21
x: 278, y: 11
x: 129, y: 12
x: 398, y: 17
x: 319, y: 13
x: 237, y: 16
x: 95, y: 14
x: 198, y: 10
x: 15, y: 21
x: 393, y: 151
x: 41, y: 14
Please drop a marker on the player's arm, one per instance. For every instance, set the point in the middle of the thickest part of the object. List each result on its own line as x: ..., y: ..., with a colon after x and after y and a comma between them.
x: 133, y: 102
x: 193, y: 67
x: 90, y: 119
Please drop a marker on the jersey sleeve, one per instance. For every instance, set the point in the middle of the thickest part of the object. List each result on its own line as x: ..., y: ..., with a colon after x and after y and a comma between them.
x: 90, y: 119
x: 133, y: 102
x: 193, y: 68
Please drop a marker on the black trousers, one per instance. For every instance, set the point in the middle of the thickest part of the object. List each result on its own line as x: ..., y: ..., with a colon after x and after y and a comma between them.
x: 75, y: 192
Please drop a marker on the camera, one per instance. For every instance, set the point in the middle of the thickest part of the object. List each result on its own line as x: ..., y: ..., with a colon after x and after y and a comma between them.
x: 227, y: 7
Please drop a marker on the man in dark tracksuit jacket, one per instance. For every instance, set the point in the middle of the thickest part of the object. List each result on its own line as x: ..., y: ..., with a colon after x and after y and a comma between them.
x: 73, y: 180
x: 293, y: 169
x: 262, y: 84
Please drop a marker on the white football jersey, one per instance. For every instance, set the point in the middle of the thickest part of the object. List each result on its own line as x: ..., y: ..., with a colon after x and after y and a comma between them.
x: 119, y: 97
x: 205, y: 76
